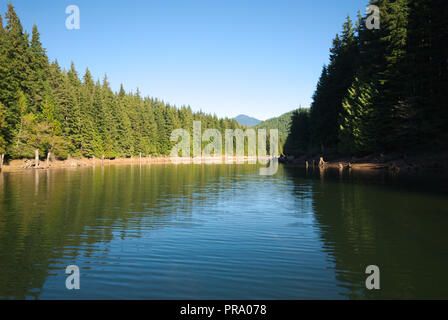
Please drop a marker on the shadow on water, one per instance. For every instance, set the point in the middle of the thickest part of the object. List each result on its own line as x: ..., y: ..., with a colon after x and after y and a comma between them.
x: 397, y: 222
x: 221, y: 231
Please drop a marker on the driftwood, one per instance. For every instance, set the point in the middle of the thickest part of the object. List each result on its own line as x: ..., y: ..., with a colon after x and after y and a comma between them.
x: 31, y: 164
x: 306, y: 164
x: 321, y: 162
x: 2, y: 158
x: 342, y: 165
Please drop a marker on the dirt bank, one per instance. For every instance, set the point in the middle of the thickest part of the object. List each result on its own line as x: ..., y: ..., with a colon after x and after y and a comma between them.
x: 28, y: 164
x: 391, y: 162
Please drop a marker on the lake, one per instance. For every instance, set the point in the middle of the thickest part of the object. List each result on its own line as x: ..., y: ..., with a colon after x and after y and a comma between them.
x: 221, y: 232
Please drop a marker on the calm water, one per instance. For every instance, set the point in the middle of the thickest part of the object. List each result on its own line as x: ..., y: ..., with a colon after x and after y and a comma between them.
x: 220, y: 232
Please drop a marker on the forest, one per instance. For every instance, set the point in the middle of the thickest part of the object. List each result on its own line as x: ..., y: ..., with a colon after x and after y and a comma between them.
x: 383, y: 90
x: 282, y: 124
x: 56, y: 111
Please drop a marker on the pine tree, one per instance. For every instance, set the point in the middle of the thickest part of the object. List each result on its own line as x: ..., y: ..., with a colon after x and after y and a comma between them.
x: 298, y: 140
x: 38, y: 71
x: 13, y: 70
x: 333, y: 84
x: 3, y: 128
x: 357, y: 132
x: 427, y: 71
x: 4, y: 134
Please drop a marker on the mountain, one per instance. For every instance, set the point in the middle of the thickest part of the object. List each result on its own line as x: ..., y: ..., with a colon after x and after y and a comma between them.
x: 246, y: 120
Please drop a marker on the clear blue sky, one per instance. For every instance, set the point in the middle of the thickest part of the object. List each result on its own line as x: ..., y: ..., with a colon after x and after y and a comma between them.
x: 260, y: 58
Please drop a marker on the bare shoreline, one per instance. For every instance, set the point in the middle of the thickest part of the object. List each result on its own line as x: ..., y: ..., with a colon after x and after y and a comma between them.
x: 375, y: 162
x: 372, y: 163
x: 20, y: 165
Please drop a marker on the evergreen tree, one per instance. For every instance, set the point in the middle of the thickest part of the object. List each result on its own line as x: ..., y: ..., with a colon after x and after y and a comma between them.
x: 46, y: 108
x: 38, y: 71
x: 357, y: 132
x: 387, y: 86
x: 298, y: 140
x: 333, y: 84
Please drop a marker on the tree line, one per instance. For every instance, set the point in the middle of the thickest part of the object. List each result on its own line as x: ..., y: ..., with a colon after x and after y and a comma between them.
x: 383, y: 90
x: 43, y: 107
x: 282, y: 124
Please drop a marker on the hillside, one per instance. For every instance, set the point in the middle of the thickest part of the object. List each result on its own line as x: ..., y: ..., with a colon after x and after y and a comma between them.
x: 282, y: 123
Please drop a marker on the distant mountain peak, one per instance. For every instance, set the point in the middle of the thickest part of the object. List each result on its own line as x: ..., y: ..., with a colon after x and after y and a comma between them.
x: 244, y: 120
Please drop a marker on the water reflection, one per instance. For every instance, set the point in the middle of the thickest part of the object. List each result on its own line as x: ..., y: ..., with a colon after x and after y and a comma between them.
x: 219, y: 231
x: 394, y: 222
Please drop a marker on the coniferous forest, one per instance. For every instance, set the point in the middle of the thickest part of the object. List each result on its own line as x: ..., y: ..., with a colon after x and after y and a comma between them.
x: 383, y: 90
x: 43, y: 107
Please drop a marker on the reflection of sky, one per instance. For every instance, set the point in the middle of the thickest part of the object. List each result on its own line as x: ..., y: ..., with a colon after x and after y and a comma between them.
x: 193, y: 231
x: 242, y: 236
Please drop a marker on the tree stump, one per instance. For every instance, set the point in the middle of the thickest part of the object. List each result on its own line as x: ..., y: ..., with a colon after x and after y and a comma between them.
x: 48, y: 159
x: 36, y: 158
x: 321, y: 162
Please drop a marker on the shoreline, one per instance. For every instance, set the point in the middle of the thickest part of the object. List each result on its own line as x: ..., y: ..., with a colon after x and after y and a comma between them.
x: 389, y: 162
x: 20, y: 165
x: 392, y: 162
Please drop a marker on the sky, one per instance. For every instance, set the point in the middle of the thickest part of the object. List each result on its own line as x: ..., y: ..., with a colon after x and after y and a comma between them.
x: 228, y: 57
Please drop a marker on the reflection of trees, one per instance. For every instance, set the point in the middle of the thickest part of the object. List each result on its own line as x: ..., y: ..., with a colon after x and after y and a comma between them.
x: 44, y: 212
x: 363, y: 223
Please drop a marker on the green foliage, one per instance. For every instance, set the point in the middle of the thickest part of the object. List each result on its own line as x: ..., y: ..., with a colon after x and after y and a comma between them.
x: 356, y: 134
x: 298, y: 140
x: 335, y: 79
x: 46, y: 108
x: 282, y: 124
x: 383, y: 90
x: 3, y: 126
